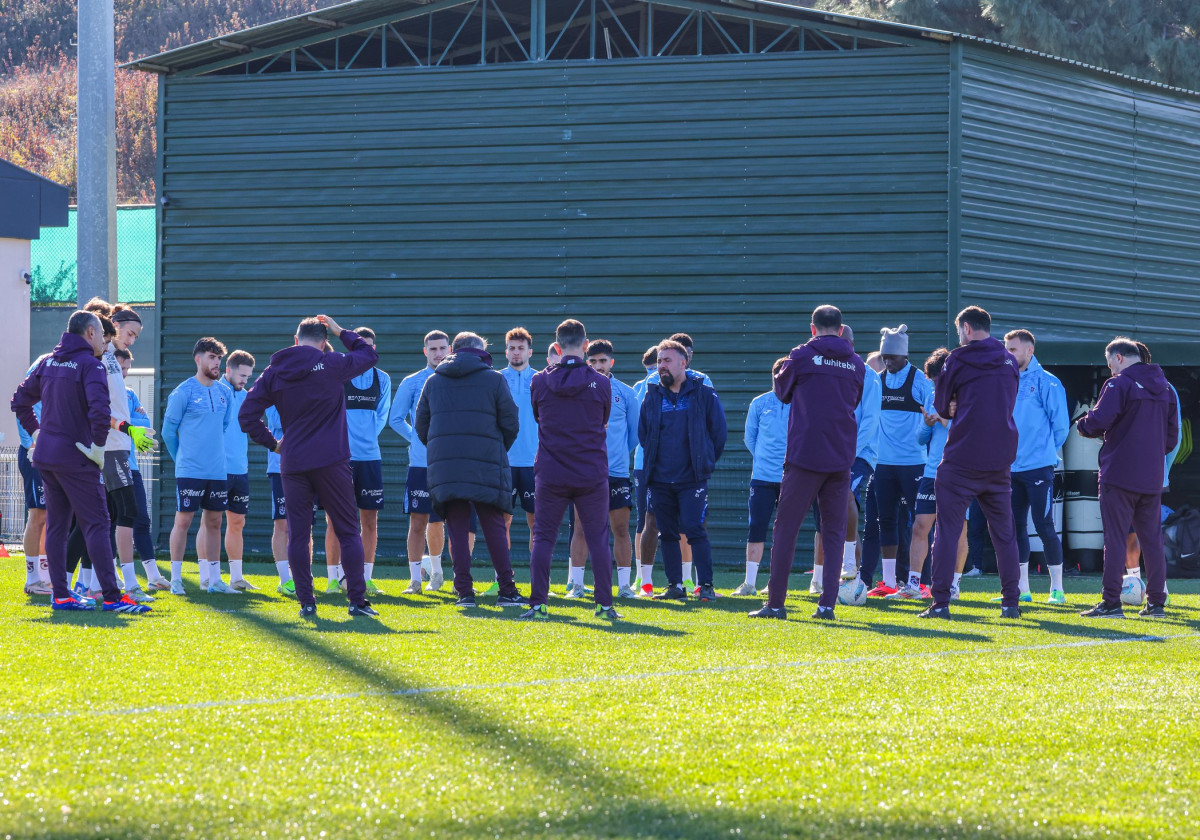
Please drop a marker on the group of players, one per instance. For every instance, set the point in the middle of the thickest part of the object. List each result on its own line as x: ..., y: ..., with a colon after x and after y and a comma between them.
x: 880, y: 441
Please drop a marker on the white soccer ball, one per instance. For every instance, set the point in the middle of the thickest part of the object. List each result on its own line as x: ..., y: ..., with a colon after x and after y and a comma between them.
x: 852, y: 593
x: 1133, y: 590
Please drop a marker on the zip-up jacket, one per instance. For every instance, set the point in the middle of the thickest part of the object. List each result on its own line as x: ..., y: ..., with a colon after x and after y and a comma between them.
x: 525, y: 447
x: 1041, y: 417
x: 622, y: 427
x: 822, y: 380
x: 404, y: 414
x: 867, y: 416
x: 706, y: 426
x: 237, y: 443
x: 766, y: 436
x: 982, y: 377
x: 571, y: 404
x: 194, y: 426
x: 368, y: 407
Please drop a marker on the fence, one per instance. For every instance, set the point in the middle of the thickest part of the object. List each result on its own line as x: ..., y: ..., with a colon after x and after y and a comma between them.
x: 54, y: 258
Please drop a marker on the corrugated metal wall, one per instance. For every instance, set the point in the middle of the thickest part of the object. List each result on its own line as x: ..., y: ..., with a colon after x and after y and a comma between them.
x: 724, y: 197
x: 1080, y: 216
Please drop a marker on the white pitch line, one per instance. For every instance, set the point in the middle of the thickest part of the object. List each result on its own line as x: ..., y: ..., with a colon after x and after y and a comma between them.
x: 557, y: 681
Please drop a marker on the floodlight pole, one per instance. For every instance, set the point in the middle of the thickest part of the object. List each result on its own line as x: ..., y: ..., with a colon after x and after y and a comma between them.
x: 96, y: 172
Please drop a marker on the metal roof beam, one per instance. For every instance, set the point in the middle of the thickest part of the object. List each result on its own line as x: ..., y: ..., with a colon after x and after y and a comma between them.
x: 348, y: 29
x: 553, y: 28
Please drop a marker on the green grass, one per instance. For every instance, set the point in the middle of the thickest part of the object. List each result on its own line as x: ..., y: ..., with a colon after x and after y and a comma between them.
x: 223, y: 716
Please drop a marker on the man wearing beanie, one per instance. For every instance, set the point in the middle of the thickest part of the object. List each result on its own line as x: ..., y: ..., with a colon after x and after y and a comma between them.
x: 977, y: 388
x: 901, y: 458
x: 1136, y: 417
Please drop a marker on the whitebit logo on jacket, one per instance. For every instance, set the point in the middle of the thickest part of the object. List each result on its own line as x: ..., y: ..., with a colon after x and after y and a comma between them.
x: 318, y: 366
x: 592, y: 384
x: 821, y: 360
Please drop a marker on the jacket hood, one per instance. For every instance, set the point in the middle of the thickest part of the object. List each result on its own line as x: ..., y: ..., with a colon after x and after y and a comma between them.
x: 71, y: 345
x: 1149, y: 377
x: 464, y: 362
x: 295, y: 362
x: 986, y: 354
x: 833, y: 346
x: 570, y: 377
x: 1033, y: 367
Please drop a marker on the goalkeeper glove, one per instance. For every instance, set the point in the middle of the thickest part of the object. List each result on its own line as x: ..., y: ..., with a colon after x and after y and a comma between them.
x: 143, y: 438
x: 94, y: 453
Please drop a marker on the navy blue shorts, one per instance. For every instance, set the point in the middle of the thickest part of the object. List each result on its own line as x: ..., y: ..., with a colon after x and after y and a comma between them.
x: 368, y: 484
x: 193, y: 494
x: 620, y: 493
x: 35, y: 493
x: 523, y: 489
x: 239, y: 493
x: 926, y: 498
x: 416, y: 494
x: 764, y: 496
x: 640, y: 489
x: 279, y: 503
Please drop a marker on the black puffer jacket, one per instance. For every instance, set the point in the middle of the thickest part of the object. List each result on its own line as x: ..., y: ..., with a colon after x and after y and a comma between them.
x: 467, y: 419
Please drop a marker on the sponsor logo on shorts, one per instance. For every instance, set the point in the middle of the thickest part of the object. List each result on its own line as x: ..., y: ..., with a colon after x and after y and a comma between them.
x: 188, y: 491
x: 242, y: 500
x: 419, y: 494
x: 367, y: 491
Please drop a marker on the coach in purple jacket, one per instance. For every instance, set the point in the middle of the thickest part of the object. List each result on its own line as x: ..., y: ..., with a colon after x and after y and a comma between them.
x: 72, y: 386
x: 307, y: 386
x: 571, y: 403
x: 978, y: 389
x: 1137, y: 418
x: 822, y: 380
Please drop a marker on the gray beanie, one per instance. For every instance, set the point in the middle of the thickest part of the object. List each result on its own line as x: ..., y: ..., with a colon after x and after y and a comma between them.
x: 894, y: 342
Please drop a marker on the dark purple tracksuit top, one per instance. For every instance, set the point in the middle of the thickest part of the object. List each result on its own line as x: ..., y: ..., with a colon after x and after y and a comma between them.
x: 823, y: 382
x: 73, y: 389
x: 1136, y: 417
x: 307, y: 386
x: 571, y: 403
x: 982, y: 377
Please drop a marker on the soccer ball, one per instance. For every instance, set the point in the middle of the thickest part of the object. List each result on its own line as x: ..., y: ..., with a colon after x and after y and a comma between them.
x: 1132, y: 590
x: 852, y: 593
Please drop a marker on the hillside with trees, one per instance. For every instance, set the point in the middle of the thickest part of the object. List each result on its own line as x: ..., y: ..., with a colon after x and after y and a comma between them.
x: 1151, y: 39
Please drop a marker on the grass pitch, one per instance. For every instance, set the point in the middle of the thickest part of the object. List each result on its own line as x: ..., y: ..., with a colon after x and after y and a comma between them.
x: 223, y: 716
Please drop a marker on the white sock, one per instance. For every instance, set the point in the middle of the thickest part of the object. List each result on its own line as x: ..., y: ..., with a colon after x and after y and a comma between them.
x: 203, y: 565
x: 751, y: 573
x: 283, y: 570
x: 647, y: 575
x: 414, y: 571
x: 849, y: 560
x: 957, y: 578
x: 1024, y: 578
x: 235, y: 569
x: 623, y: 576
x: 129, y: 574
x: 44, y: 568
x: 331, y: 572
x: 31, y: 569
x: 151, y: 567
x: 176, y: 570
x: 214, y: 572
x: 889, y: 571
x: 687, y: 573
x: 435, y: 564
x: 818, y: 573
x: 577, y: 575
x: 914, y: 579
x: 368, y: 570
x: 1056, y: 576
x: 426, y: 564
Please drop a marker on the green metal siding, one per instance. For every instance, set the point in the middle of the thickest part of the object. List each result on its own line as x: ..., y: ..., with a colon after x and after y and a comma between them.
x: 1079, y: 209
x: 724, y: 197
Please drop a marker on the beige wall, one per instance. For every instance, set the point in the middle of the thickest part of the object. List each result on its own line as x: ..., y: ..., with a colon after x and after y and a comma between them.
x: 14, y: 303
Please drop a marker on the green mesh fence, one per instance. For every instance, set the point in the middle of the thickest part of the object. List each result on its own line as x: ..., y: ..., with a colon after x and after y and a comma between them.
x: 54, y: 258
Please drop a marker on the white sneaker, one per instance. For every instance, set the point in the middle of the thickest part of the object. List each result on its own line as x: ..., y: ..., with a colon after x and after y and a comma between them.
x: 39, y: 587
x: 626, y: 592
x: 137, y: 594
x: 222, y: 588
x: 954, y: 593
x: 177, y: 588
x: 907, y: 592
x: 413, y: 588
x: 243, y: 585
x: 574, y: 591
x: 744, y: 590
x: 817, y: 586
x: 849, y: 573
x: 435, y: 581
x: 159, y: 584
x: 974, y: 572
